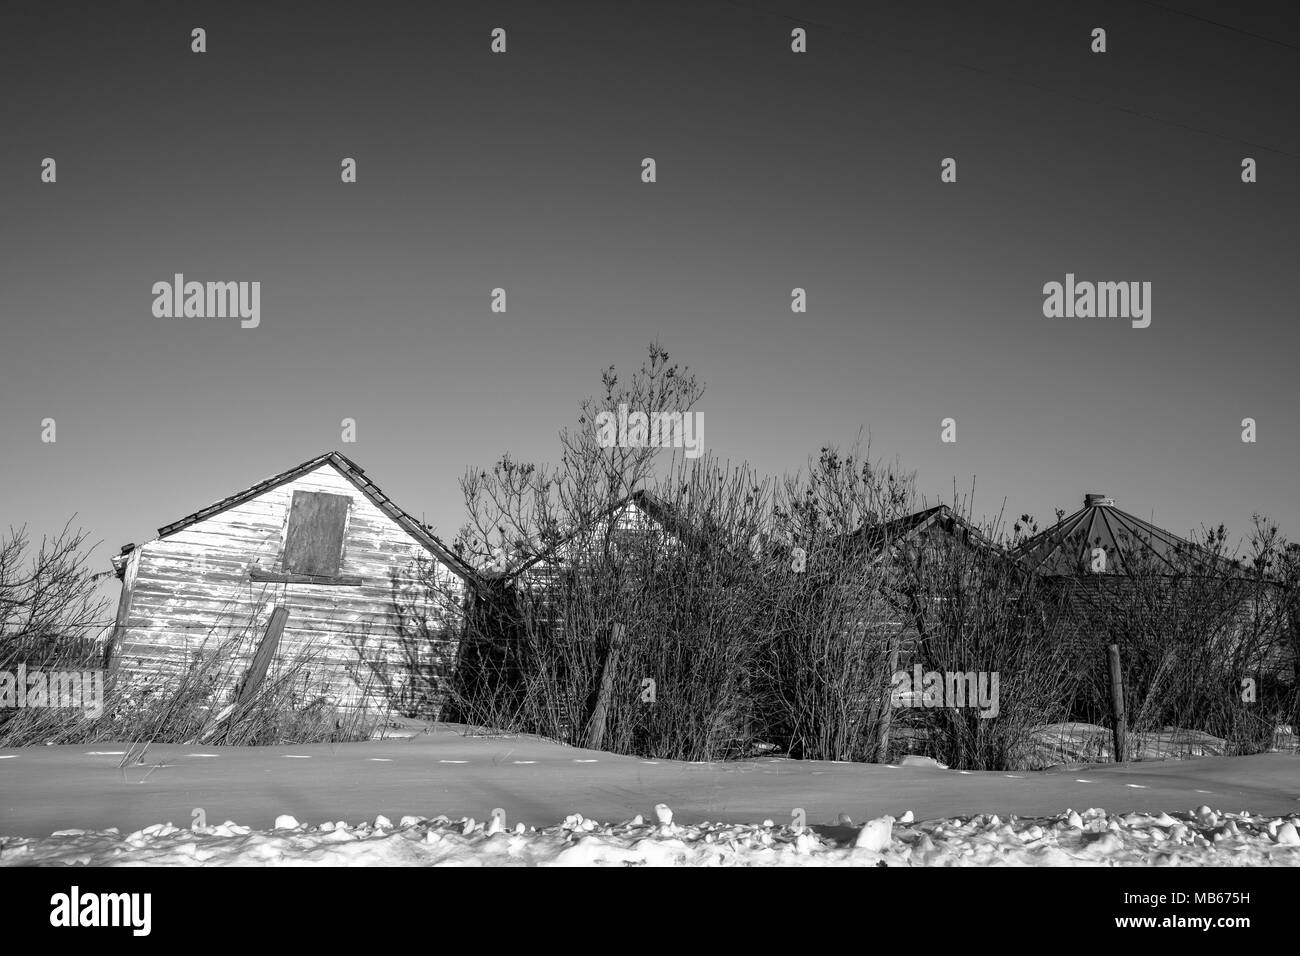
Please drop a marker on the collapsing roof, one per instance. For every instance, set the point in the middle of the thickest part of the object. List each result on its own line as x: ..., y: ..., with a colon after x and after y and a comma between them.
x: 654, y: 508
x: 940, y: 517
x: 1065, y: 549
x: 872, y: 538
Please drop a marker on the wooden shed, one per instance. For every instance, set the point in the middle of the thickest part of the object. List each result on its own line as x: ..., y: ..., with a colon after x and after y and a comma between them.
x: 312, y: 577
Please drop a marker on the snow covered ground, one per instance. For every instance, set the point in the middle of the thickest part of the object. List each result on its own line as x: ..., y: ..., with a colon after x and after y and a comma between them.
x: 563, y: 806
x: 1091, y: 838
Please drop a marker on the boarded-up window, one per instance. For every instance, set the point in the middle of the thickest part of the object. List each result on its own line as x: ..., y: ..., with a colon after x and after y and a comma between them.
x: 314, y: 543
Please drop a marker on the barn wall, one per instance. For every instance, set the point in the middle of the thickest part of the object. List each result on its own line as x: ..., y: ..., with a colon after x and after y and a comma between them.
x: 192, y: 598
x: 130, y: 567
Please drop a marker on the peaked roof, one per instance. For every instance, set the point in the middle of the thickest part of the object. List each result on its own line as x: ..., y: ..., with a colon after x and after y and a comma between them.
x: 1066, y: 548
x: 653, y: 507
x: 870, y: 536
x: 940, y: 516
x: 357, y: 476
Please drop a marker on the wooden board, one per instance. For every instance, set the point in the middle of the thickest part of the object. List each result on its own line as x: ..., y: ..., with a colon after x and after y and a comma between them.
x: 314, y: 542
x: 265, y: 651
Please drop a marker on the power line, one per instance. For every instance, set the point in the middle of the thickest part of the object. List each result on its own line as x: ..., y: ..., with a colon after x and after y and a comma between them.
x: 1224, y: 26
x: 1132, y: 111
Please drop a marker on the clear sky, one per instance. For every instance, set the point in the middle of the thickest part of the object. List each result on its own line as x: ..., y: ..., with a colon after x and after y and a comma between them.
x: 523, y: 171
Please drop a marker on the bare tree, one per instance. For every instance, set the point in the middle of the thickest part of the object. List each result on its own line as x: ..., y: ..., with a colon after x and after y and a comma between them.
x: 49, y: 603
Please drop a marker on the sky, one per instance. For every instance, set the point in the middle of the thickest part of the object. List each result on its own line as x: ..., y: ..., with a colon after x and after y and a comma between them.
x: 775, y: 170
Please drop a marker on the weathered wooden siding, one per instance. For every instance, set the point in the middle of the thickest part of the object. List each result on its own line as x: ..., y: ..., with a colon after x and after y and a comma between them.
x: 388, y: 638
x: 131, y: 564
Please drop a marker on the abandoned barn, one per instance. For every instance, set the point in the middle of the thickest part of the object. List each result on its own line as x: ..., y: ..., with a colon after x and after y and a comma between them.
x: 312, y: 578
x: 314, y: 582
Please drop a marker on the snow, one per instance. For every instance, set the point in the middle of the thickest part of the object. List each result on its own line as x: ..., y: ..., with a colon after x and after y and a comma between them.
x: 982, y: 840
x: 875, y: 835
x: 463, y: 800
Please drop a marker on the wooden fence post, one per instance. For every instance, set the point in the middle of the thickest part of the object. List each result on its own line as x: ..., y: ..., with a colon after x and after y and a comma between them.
x: 887, y: 705
x: 1117, y: 704
x: 596, y: 729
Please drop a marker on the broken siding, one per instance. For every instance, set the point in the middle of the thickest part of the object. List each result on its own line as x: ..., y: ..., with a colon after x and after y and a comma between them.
x: 387, y: 636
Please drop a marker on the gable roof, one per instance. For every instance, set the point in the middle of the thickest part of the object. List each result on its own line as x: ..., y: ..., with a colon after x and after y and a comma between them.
x: 650, y: 505
x: 355, y: 474
x: 870, y: 537
x: 1066, y: 547
x: 875, y: 536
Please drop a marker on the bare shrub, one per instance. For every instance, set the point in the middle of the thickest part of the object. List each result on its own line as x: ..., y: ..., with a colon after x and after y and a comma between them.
x: 831, y: 634
x: 977, y: 612
x: 1194, y: 626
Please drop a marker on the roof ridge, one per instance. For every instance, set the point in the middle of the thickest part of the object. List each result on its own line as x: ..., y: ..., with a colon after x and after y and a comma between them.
x: 1125, y: 530
x: 355, y: 474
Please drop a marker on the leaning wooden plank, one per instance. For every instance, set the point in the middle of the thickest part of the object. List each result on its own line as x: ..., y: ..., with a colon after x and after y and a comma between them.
x: 596, y: 728
x: 262, y: 659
